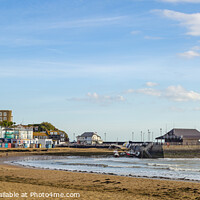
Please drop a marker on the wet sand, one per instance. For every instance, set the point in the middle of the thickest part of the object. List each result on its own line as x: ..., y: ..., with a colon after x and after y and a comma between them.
x: 92, y: 186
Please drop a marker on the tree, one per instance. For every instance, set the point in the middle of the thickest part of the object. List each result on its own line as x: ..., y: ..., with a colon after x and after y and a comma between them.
x: 6, y: 124
x: 46, y: 126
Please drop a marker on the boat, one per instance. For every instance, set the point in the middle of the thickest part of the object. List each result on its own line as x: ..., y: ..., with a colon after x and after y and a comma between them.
x: 116, y: 154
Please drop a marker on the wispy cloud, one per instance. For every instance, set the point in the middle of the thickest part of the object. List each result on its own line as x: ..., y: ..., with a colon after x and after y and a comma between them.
x: 178, y: 93
x: 196, y: 109
x: 190, y: 21
x: 16, y: 41
x: 189, y: 54
x: 181, y: 1
x: 91, y: 22
x: 152, y: 38
x: 174, y: 93
x: 149, y: 91
x: 135, y: 32
x: 100, y: 99
x: 151, y: 84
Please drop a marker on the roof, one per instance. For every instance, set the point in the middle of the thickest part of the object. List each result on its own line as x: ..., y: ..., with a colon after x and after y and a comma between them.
x: 49, y: 132
x: 88, y: 134
x: 182, y: 133
x: 39, y: 134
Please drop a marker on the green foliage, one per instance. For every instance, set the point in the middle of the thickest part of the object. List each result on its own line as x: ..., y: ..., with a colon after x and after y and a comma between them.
x: 46, y: 126
x: 6, y: 124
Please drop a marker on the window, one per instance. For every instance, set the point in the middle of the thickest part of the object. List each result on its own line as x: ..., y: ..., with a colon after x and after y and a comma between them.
x: 0, y: 118
x: 5, y: 114
x: 5, y: 118
x: 0, y: 113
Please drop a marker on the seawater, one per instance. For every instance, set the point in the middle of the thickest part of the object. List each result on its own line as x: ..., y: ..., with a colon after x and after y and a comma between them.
x: 170, y: 168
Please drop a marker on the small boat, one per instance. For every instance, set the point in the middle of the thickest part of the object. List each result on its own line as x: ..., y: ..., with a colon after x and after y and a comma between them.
x: 133, y: 153
x: 130, y: 153
x: 116, y: 154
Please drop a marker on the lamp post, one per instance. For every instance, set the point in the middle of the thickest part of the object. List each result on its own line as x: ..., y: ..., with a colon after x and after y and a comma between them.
x: 132, y: 136
x: 105, y: 136
x: 73, y: 137
x: 161, y: 133
x: 152, y: 137
x: 141, y: 136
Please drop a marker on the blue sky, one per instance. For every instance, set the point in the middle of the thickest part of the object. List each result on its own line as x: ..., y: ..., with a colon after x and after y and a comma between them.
x: 110, y: 66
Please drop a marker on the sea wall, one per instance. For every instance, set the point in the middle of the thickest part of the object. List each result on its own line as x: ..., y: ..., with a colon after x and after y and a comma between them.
x: 181, y: 151
x: 54, y: 151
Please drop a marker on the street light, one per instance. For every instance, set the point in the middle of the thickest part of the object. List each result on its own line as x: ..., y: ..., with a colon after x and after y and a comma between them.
x: 152, y: 137
x: 73, y: 137
x: 143, y: 136
x: 132, y: 135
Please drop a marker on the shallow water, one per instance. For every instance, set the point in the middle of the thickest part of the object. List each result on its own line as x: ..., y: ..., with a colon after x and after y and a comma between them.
x: 182, y: 168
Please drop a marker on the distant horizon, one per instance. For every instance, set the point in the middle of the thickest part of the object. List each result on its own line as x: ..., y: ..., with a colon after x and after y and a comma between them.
x: 113, y: 67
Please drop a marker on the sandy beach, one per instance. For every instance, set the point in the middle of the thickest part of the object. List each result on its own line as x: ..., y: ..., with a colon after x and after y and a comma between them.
x: 21, y: 180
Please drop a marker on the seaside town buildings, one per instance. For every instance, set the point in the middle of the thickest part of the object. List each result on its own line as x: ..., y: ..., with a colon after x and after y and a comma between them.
x: 6, y: 115
x: 17, y: 136
x: 90, y: 138
x: 181, y: 136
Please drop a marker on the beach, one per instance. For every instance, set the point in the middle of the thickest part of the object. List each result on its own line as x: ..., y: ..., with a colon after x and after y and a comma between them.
x: 19, y: 180
x: 92, y: 186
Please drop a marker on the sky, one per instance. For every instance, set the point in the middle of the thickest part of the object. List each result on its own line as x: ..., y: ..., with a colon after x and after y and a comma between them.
x: 112, y: 66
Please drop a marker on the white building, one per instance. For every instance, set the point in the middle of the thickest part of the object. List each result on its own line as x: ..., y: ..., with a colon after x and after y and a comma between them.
x: 89, y: 138
x: 45, y: 142
x: 26, y: 133
x: 2, y: 132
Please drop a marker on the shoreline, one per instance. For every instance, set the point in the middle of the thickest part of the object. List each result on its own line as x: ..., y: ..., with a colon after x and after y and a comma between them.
x: 20, y: 179
x: 13, y: 159
x: 15, y: 178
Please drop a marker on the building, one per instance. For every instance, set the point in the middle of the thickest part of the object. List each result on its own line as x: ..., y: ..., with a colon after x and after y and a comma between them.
x: 62, y: 137
x: 45, y: 143
x: 40, y: 135
x: 55, y: 136
x: 90, y: 138
x: 2, y: 132
x: 10, y: 133
x: 16, y: 133
x: 6, y: 115
x: 181, y: 136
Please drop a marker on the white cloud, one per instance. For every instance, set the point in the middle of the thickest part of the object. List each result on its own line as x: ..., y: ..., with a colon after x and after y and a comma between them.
x: 178, y: 93
x: 190, y: 21
x: 151, y: 84
x: 174, y: 93
x: 99, y: 99
x: 189, y: 54
x: 196, y: 48
x: 104, y: 98
x: 196, y: 109
x: 149, y: 91
x: 181, y: 1
x: 135, y: 32
x: 130, y: 91
x: 152, y: 38
x: 79, y: 23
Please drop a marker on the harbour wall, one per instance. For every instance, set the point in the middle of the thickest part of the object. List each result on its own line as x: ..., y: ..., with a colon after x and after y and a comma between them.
x: 181, y: 151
